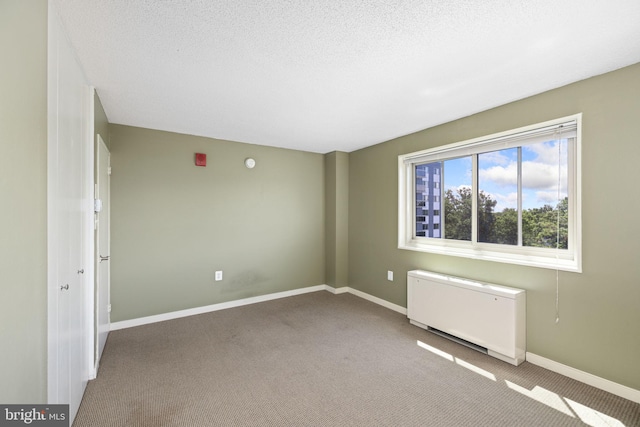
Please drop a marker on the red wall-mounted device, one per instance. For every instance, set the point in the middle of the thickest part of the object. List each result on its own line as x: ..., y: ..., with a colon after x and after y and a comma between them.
x: 201, y: 159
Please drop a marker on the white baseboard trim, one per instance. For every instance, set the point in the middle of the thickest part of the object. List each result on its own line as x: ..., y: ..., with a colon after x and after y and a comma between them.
x: 368, y: 297
x: 214, y: 307
x: 379, y: 301
x: 585, y: 377
x: 336, y: 291
x: 123, y: 324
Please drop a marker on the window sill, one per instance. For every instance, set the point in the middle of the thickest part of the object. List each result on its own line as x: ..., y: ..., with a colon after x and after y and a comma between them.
x: 530, y: 257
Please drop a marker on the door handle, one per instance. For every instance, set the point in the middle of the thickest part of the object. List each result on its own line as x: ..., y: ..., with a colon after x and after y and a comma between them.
x: 65, y: 287
x: 104, y: 258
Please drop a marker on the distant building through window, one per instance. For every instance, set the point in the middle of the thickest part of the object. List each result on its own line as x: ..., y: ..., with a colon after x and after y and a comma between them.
x: 427, y: 204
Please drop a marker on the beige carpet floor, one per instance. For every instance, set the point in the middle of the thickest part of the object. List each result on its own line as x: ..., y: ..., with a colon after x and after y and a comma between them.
x: 325, y: 360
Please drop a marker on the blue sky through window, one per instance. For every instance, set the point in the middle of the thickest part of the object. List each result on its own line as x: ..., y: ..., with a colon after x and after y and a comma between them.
x: 498, y: 174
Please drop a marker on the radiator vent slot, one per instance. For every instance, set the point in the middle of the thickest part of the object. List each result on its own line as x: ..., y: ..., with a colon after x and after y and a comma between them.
x: 458, y: 340
x: 486, y: 317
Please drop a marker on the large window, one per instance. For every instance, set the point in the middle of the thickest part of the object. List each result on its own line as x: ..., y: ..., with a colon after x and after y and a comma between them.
x: 511, y: 197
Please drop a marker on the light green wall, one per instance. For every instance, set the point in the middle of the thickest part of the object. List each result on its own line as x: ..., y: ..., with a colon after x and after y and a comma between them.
x: 174, y: 224
x: 23, y: 189
x: 599, y: 309
x: 336, y: 175
x: 100, y: 122
x: 330, y: 218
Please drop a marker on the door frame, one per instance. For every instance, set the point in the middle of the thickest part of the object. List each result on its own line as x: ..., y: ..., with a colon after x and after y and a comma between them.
x: 90, y: 240
x: 96, y: 261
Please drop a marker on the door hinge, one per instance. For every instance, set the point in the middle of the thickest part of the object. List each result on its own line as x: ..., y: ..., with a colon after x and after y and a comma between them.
x: 109, y: 308
x: 109, y: 171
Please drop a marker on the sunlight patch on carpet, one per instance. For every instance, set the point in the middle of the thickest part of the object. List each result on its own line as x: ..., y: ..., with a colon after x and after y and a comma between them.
x: 568, y: 407
x: 592, y: 417
x: 436, y: 351
x: 544, y: 396
x: 458, y: 361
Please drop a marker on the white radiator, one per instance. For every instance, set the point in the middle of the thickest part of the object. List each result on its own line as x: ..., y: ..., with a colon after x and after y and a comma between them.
x: 490, y: 317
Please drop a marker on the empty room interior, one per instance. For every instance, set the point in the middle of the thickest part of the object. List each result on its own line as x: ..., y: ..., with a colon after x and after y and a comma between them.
x: 321, y: 213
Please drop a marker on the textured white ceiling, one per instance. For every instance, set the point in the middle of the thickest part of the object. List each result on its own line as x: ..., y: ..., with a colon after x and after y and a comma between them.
x: 330, y: 75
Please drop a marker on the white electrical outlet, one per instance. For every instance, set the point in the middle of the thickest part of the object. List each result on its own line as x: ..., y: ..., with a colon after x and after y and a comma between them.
x: 390, y: 276
x: 218, y: 275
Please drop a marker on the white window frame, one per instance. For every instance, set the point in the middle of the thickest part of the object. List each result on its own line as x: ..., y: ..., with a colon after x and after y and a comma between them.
x: 565, y: 259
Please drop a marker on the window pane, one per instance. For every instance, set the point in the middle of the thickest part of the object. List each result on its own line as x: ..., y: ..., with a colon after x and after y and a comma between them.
x: 524, y: 197
x: 498, y: 197
x: 457, y: 198
x: 427, y: 215
x: 544, y: 194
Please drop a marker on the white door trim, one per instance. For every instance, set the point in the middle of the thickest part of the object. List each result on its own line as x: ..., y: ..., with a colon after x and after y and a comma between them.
x: 89, y: 243
x: 102, y: 220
